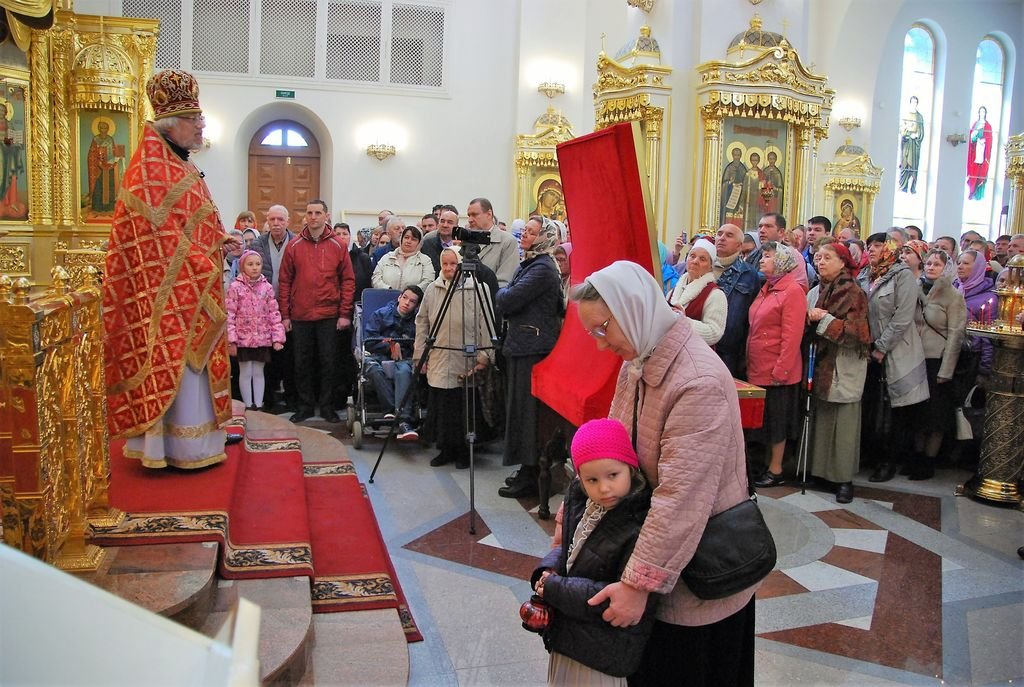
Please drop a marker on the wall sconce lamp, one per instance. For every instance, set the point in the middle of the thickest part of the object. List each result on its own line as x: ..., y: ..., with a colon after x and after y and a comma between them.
x: 551, y: 88
x: 850, y: 123
x: 956, y: 139
x: 381, y: 151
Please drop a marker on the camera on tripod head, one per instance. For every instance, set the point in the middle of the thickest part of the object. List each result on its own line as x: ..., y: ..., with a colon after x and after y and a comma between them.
x: 474, y: 236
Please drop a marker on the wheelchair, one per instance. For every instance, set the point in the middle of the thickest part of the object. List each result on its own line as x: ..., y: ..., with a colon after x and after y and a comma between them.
x: 367, y: 415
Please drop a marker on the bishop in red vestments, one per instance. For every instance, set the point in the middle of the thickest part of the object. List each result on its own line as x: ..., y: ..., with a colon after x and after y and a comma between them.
x: 166, y: 362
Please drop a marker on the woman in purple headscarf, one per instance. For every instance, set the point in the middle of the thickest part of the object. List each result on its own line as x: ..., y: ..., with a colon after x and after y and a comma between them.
x: 978, y: 291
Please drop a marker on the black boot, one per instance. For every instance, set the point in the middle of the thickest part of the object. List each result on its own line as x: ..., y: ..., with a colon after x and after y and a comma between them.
x: 524, y: 483
x: 883, y: 473
x: 845, y: 493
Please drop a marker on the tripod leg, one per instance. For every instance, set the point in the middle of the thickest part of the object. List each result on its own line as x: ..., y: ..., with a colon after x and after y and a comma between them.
x: 431, y: 338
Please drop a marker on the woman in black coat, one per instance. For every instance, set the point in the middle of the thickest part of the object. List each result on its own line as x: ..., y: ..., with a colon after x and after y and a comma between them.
x: 532, y: 307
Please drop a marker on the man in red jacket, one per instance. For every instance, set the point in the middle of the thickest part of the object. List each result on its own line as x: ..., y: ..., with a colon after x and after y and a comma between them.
x: 316, y: 290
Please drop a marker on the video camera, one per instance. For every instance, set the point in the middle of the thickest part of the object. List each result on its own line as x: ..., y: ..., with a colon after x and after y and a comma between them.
x: 474, y: 236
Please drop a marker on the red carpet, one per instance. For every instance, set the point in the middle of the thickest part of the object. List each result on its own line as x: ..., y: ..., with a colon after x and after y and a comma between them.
x: 254, y: 504
x: 273, y: 516
x: 352, y: 567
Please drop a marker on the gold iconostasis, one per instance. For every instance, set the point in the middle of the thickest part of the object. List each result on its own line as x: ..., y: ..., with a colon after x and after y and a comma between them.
x: 64, y: 149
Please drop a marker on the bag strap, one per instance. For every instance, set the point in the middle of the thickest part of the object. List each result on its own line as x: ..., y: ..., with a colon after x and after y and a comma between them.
x: 925, y: 318
x: 970, y: 397
x: 636, y: 406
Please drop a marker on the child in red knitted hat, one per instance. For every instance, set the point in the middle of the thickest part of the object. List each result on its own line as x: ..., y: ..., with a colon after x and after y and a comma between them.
x: 604, y: 509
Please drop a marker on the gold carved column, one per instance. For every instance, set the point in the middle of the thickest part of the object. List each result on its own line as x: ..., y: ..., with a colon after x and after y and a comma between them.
x: 631, y: 87
x: 1015, y: 178
x: 55, y: 466
x: 764, y: 106
x: 40, y: 192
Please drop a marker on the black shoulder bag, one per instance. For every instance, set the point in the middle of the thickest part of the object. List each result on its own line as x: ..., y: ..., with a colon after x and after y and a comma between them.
x: 735, y: 552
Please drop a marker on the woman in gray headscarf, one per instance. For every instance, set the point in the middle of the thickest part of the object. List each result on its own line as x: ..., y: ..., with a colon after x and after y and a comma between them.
x: 680, y: 401
x: 532, y: 307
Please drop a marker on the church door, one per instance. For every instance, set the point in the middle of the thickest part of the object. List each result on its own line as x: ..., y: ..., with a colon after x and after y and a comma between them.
x: 284, y: 169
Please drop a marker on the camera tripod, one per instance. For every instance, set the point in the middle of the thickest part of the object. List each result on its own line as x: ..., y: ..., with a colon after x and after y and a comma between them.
x: 484, y: 308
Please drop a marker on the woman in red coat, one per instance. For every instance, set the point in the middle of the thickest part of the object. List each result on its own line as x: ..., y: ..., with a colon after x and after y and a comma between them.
x: 777, y: 318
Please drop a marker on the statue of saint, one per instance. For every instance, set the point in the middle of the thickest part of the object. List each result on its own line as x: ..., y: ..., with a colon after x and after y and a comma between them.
x: 979, y: 154
x: 911, y: 136
x: 732, y: 197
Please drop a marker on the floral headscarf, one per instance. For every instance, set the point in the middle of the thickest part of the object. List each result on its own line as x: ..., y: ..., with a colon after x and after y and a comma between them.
x: 919, y: 247
x: 785, y: 257
x: 889, y: 257
x: 546, y: 241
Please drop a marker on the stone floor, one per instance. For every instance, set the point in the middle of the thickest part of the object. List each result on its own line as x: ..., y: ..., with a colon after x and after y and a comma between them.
x: 906, y: 585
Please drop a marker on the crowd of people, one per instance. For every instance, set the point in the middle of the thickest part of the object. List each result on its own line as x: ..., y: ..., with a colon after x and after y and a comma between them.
x: 877, y: 329
x: 885, y: 318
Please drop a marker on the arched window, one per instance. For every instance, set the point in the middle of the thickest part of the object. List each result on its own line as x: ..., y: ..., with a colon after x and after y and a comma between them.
x: 917, y: 124
x: 983, y: 184
x: 284, y: 136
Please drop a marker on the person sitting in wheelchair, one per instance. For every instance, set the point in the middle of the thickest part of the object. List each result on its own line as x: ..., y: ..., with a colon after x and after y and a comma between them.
x: 390, y: 335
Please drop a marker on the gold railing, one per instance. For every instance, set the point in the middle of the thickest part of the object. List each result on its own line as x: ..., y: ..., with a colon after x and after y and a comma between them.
x: 54, y: 460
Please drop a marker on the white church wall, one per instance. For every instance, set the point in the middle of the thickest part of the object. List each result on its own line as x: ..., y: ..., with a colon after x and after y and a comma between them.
x: 459, y: 144
x: 456, y: 145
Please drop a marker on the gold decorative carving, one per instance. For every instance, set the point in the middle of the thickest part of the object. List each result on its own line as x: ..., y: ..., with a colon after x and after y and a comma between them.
x: 632, y: 88
x: 14, y: 259
x: 40, y: 190
x: 61, y: 42
x: 535, y: 158
x: 1015, y: 174
x: 52, y: 380
x: 103, y: 76
x: 772, y: 85
x: 851, y: 174
x: 645, y: 5
x: 84, y: 264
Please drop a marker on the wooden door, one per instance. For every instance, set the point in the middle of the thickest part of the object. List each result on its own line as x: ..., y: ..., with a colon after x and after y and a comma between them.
x: 284, y: 169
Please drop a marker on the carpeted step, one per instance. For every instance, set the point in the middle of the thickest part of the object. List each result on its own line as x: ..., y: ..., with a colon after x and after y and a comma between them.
x: 253, y: 504
x: 352, y: 567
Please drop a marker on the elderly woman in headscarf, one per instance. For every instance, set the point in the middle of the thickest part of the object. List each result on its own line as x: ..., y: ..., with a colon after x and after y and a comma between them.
x: 532, y: 307
x: 751, y: 242
x: 561, y: 255
x: 777, y: 318
x: 978, y: 290
x: 941, y: 322
x: 897, y: 355
x: 697, y: 295
x: 677, y: 398
x: 838, y: 313
x: 912, y: 255
x: 446, y: 368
